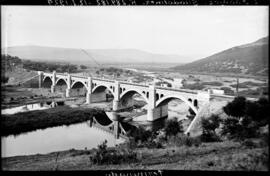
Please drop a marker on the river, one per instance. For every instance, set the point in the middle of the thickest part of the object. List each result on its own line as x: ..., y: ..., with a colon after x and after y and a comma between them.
x: 77, y: 136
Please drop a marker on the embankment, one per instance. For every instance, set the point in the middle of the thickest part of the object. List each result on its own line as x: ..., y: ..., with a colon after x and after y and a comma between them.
x: 34, y: 120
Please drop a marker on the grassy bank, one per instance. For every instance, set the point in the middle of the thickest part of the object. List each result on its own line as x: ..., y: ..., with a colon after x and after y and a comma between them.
x: 33, y: 120
x: 227, y: 155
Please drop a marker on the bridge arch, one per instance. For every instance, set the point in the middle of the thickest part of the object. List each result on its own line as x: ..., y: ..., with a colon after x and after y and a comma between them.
x: 60, y: 81
x: 103, y: 88
x: 168, y: 98
x: 47, y: 82
x: 73, y: 85
x: 131, y: 92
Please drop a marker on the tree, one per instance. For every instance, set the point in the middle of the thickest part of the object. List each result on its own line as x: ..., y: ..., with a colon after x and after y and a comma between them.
x: 246, y: 117
x: 83, y: 67
x: 209, y: 126
x: 172, y: 127
x: 4, y: 79
x: 236, y: 108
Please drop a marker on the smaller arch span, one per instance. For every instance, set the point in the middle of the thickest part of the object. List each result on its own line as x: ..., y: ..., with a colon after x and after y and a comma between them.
x: 136, y: 91
x: 47, y: 77
x: 170, y: 97
x: 77, y: 82
x: 104, y: 86
x: 60, y: 79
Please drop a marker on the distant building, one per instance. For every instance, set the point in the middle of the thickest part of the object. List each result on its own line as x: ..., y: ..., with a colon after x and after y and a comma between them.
x: 216, y: 91
x: 165, y: 84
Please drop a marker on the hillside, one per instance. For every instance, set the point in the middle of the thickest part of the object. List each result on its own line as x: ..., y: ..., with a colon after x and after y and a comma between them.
x: 18, y: 70
x: 250, y: 59
x: 102, y: 56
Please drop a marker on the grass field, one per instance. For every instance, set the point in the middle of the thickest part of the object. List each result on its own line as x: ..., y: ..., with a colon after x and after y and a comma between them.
x: 229, y: 155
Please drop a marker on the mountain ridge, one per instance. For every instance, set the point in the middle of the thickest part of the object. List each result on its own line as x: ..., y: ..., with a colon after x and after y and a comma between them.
x: 251, y: 58
x: 73, y: 55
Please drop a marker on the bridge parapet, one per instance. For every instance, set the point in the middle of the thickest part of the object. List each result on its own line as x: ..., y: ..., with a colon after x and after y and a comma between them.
x: 178, y: 90
x: 133, y: 84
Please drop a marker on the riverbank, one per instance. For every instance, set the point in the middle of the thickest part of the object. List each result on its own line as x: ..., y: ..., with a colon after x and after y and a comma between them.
x: 33, y: 120
x: 223, y: 156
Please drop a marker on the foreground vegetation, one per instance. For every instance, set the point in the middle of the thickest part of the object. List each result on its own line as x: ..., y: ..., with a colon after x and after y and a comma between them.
x: 33, y: 120
x: 227, y: 155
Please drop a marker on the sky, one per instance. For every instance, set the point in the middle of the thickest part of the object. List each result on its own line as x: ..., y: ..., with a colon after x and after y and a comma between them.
x: 191, y: 31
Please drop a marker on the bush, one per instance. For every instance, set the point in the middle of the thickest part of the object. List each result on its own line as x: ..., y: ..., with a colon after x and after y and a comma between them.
x: 184, y: 140
x: 236, y: 108
x: 209, y: 126
x: 195, y: 86
x: 212, y: 83
x: 140, y: 134
x: 172, y: 127
x: 104, y: 156
x: 4, y: 79
x: 246, y: 118
x: 239, y: 129
x: 83, y: 67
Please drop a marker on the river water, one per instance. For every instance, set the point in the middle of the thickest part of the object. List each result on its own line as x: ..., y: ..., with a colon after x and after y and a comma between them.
x: 77, y: 136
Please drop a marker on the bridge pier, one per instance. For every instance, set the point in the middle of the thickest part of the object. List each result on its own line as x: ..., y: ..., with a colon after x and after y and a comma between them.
x: 68, y: 89
x: 115, y: 105
x: 67, y: 92
x: 88, y: 97
x: 116, y: 129
x: 157, y: 113
x: 52, y: 89
x: 53, y: 81
x: 40, y: 79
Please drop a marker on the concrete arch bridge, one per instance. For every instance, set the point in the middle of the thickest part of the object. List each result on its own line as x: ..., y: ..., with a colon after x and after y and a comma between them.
x: 157, y: 98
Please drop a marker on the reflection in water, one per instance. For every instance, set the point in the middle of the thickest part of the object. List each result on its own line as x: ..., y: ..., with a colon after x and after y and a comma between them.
x: 32, y: 107
x: 78, y: 136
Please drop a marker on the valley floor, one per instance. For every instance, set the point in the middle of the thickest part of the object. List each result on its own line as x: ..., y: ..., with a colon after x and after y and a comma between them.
x: 226, y: 155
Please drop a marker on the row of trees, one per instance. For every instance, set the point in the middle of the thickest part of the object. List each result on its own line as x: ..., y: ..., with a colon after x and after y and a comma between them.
x: 10, y: 62
x: 244, y: 121
x: 43, y: 66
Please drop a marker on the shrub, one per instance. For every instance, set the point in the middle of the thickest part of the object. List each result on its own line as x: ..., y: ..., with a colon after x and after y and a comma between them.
x: 140, y: 134
x: 83, y: 67
x: 249, y: 143
x: 212, y: 83
x: 239, y: 129
x: 236, y: 108
x: 195, y: 86
x: 104, y: 156
x: 209, y: 126
x: 172, y: 127
x: 184, y: 140
x: 246, y: 118
x: 4, y: 79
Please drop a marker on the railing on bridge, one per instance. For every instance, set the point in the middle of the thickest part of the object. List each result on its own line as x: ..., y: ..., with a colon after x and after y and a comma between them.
x: 178, y: 90
x: 133, y: 84
x: 106, y: 80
